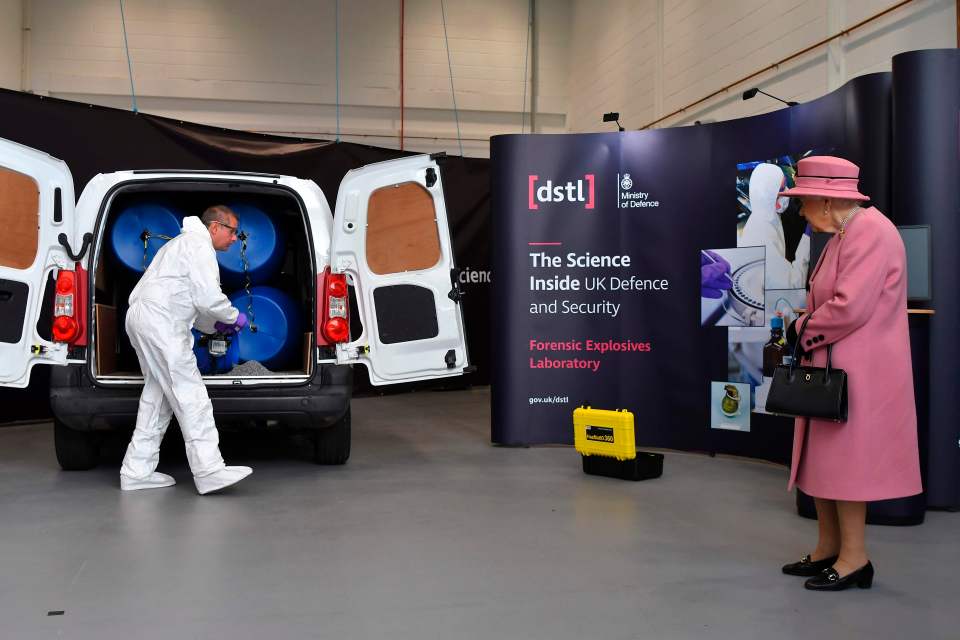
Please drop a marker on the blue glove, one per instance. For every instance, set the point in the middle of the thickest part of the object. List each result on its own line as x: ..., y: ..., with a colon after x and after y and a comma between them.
x: 230, y: 329
x: 714, y: 275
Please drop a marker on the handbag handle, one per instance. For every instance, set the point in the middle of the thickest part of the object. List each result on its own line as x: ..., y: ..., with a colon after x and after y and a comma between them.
x: 796, y: 350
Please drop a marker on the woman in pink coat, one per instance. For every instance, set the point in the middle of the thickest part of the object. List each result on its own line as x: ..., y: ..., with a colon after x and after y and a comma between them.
x: 857, y: 303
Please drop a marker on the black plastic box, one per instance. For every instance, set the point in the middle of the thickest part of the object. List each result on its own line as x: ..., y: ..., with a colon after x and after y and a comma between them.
x: 644, y: 467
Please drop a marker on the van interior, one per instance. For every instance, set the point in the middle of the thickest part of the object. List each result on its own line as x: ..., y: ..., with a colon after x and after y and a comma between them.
x: 113, y: 357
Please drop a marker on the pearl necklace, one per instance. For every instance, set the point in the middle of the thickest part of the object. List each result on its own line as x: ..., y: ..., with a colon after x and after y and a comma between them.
x: 843, y: 223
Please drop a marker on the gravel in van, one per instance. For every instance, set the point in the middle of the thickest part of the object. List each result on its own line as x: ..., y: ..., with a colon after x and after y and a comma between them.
x: 250, y: 368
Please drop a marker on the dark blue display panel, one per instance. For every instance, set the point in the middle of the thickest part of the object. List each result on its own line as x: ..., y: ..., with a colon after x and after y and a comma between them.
x: 926, y: 164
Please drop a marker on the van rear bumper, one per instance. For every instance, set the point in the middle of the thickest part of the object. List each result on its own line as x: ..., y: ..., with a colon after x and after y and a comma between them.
x: 83, y: 405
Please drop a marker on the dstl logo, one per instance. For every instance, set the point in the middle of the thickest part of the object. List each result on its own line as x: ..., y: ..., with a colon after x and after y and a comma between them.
x: 573, y: 191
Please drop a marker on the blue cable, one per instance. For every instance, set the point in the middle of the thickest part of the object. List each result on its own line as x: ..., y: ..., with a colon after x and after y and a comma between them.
x: 337, y: 40
x: 126, y: 46
x: 456, y: 114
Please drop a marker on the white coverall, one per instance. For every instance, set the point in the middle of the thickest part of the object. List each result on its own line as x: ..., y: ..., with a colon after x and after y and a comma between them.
x: 763, y: 229
x: 180, y: 289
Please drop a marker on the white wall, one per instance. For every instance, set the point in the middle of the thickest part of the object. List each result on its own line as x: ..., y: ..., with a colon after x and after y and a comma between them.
x: 705, y: 45
x: 11, y: 43
x: 271, y: 66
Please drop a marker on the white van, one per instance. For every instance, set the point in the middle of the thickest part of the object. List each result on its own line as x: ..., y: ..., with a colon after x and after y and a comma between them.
x: 389, y: 241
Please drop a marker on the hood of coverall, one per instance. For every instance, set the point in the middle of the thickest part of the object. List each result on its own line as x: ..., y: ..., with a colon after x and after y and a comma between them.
x: 765, y: 200
x: 763, y: 227
x: 193, y: 224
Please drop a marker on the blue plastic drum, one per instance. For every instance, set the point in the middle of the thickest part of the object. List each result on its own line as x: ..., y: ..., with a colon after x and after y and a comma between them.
x: 126, y: 235
x: 276, y: 343
x: 210, y: 365
x: 264, y: 252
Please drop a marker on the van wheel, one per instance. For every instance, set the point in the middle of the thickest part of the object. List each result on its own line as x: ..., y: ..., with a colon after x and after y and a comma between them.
x: 76, y: 450
x: 332, y: 445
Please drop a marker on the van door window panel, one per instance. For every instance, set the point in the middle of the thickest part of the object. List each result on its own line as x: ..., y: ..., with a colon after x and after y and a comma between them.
x: 402, y: 232
x: 19, y: 219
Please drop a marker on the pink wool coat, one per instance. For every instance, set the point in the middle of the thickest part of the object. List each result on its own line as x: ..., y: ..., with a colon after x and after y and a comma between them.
x: 858, y: 298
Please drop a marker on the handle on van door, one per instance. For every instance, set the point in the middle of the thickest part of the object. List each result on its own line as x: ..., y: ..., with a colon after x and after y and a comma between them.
x: 457, y: 291
x: 87, y: 239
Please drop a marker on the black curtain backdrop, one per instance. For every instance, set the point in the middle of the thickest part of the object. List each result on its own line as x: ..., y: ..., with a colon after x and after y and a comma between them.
x: 94, y: 140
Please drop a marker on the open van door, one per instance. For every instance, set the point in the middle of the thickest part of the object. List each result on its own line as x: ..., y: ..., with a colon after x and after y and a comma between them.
x: 391, y: 238
x: 36, y: 206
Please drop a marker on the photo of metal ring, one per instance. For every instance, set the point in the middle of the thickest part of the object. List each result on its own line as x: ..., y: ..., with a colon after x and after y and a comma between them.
x: 744, y: 301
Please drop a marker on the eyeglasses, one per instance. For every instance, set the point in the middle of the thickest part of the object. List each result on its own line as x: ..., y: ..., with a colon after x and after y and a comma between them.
x: 233, y: 230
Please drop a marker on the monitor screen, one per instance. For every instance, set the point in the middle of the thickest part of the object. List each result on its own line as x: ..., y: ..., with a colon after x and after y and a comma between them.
x: 916, y: 240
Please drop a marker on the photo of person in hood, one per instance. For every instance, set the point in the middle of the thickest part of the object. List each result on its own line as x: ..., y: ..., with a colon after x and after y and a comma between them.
x: 764, y: 228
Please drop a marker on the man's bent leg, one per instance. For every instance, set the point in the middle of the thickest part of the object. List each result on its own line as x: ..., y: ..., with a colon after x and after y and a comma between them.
x: 195, y: 415
x: 184, y: 389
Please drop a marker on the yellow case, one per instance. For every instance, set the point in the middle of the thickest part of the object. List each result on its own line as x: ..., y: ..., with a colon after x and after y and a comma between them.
x: 598, y: 432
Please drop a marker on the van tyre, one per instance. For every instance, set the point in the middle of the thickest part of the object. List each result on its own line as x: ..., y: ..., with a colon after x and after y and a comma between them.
x: 76, y: 450
x: 332, y: 445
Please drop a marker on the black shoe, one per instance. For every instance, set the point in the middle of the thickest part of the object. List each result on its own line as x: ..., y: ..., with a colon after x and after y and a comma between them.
x: 808, y: 568
x: 830, y: 580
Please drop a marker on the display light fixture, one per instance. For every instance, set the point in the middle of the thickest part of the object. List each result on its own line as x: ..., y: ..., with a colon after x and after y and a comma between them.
x: 613, y: 116
x: 749, y: 93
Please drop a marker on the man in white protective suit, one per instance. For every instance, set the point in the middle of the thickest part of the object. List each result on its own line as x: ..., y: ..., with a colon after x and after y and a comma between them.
x: 179, y: 290
x: 763, y: 229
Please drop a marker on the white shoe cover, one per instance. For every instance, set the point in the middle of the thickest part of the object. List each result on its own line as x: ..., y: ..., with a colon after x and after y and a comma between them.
x: 221, y: 479
x: 155, y: 480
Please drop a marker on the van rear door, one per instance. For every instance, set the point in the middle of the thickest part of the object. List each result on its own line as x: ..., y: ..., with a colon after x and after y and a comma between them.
x: 391, y: 238
x: 36, y: 206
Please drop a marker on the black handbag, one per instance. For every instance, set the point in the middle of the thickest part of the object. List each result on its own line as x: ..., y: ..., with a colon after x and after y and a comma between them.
x: 810, y: 392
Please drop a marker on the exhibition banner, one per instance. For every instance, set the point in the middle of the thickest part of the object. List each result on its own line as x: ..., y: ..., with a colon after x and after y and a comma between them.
x: 648, y: 270
x: 597, y: 279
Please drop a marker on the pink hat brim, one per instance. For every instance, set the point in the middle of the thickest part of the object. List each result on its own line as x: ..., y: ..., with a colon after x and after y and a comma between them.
x: 846, y: 194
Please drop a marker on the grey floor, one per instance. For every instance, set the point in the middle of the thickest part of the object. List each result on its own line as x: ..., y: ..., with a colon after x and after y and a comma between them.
x: 429, y: 532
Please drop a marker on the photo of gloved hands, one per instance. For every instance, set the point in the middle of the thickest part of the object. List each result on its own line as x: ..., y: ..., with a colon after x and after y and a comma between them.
x: 732, y: 286
x: 230, y: 329
x: 714, y: 274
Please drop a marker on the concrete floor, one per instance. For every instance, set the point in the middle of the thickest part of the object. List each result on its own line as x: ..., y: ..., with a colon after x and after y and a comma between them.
x: 429, y: 532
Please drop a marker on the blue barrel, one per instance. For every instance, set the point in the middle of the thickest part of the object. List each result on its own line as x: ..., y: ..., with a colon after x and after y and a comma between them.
x: 126, y: 235
x: 209, y: 365
x: 264, y: 252
x: 278, y: 339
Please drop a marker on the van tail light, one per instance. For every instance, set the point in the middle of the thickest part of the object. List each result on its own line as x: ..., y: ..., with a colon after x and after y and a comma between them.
x: 334, y: 312
x: 66, y: 328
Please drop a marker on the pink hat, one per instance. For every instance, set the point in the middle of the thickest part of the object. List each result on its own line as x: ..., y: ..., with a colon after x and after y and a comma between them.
x: 826, y: 177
